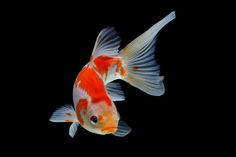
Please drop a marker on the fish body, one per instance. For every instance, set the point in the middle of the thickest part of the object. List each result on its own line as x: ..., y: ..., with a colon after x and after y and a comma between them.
x: 94, y: 91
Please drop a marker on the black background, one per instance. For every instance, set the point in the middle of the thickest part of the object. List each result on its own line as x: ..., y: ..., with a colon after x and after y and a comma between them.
x: 54, y: 41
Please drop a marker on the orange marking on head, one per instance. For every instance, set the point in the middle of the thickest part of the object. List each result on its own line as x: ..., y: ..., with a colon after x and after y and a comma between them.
x: 101, y: 97
x: 93, y: 85
x: 100, y: 118
x: 109, y: 129
x: 68, y: 114
x: 82, y: 104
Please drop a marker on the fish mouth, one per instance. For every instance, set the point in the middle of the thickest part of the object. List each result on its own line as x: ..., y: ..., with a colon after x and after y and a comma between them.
x: 109, y: 129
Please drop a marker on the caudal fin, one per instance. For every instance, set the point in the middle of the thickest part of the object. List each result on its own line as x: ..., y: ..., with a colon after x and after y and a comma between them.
x: 142, y: 70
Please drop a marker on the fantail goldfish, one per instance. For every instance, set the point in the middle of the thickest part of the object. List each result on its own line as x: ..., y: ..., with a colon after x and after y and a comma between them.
x: 94, y: 92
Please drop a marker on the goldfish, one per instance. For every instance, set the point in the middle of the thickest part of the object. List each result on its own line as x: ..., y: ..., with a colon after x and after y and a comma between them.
x: 94, y: 89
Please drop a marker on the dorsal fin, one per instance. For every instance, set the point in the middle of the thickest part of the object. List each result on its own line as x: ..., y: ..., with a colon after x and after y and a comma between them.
x: 107, y: 43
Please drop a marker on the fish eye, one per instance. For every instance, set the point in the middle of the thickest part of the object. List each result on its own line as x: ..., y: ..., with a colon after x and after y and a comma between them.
x: 93, y: 120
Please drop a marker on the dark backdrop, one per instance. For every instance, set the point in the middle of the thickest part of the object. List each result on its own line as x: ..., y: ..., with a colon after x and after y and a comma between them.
x: 55, y: 42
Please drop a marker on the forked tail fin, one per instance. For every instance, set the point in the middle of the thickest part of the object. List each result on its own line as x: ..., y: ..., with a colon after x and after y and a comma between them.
x: 142, y: 71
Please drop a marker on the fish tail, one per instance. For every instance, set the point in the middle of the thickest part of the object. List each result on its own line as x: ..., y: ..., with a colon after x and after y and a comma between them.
x: 142, y: 71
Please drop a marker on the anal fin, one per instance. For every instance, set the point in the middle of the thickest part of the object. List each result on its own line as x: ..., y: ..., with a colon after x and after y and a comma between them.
x: 73, y: 129
x: 115, y: 92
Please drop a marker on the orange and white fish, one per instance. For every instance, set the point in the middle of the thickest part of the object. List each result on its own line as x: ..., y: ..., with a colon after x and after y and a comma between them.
x: 94, y: 92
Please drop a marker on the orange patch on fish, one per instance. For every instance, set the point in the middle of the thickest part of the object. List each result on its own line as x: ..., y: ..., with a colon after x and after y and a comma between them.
x: 68, y: 114
x: 100, y: 118
x: 125, y: 48
x: 103, y: 63
x: 119, y: 68
x: 109, y: 129
x: 91, y: 83
x: 122, y: 72
x: 82, y: 104
x: 68, y: 121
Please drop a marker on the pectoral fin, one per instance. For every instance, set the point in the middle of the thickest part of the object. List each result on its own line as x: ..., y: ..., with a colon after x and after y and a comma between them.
x: 122, y: 130
x: 64, y: 114
x: 73, y: 129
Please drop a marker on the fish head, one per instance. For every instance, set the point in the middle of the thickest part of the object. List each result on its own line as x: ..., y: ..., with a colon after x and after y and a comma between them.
x: 101, y: 118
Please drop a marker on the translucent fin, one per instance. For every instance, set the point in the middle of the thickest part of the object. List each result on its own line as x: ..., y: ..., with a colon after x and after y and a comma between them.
x: 64, y: 114
x: 73, y: 129
x: 142, y: 70
x: 115, y: 92
x: 107, y: 43
x: 122, y: 130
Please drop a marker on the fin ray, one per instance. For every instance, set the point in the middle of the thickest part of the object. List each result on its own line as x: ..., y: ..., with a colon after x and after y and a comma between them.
x: 142, y: 70
x: 122, y: 130
x: 115, y: 92
x: 73, y: 129
x: 65, y: 113
x: 107, y: 43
